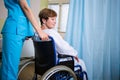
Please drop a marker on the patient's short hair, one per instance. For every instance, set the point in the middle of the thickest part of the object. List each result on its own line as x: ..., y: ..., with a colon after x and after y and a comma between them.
x: 46, y: 13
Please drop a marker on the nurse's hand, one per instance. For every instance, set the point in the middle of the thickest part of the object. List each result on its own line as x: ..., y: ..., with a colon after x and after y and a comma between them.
x: 43, y: 35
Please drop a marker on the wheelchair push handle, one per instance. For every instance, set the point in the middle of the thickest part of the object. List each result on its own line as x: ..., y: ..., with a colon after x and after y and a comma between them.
x: 38, y: 39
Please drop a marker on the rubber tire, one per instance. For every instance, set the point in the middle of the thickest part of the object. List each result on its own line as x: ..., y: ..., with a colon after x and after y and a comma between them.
x: 56, y: 69
x: 26, y: 72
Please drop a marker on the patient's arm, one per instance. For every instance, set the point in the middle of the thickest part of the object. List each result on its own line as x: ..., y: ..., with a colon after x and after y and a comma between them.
x: 62, y: 46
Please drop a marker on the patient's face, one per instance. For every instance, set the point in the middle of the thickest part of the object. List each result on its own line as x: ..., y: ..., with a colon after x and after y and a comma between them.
x: 51, y: 22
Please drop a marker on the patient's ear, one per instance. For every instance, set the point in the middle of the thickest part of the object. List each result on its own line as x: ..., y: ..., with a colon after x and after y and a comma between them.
x: 44, y: 21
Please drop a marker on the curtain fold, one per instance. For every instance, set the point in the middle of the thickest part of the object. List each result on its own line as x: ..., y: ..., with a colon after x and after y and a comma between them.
x: 73, y: 23
x: 93, y: 29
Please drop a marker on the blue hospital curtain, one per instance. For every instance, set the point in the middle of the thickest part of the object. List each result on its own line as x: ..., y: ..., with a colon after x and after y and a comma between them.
x: 93, y: 29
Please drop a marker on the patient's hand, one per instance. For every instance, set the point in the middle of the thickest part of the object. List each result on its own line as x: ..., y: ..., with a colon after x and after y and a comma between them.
x: 77, y: 58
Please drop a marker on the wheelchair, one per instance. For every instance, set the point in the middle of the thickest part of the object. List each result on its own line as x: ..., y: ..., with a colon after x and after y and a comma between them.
x: 48, y: 64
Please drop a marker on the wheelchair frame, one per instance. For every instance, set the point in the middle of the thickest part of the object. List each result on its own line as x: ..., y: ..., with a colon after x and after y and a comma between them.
x: 65, y: 72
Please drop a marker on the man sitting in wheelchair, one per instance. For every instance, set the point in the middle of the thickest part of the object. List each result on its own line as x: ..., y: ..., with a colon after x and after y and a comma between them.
x: 48, y: 20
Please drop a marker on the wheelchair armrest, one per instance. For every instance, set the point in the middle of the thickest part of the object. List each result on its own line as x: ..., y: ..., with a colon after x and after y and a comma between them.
x: 66, y: 60
x: 63, y: 56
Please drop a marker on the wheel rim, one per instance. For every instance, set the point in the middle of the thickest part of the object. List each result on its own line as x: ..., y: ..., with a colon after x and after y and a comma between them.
x: 48, y: 74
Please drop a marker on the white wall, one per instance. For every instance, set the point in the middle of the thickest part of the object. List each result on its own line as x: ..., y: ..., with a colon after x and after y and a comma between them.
x: 3, y: 11
x: 35, y: 5
x: 28, y: 49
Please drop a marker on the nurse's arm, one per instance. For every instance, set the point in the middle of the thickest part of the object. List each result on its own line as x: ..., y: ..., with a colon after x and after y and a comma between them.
x: 29, y: 14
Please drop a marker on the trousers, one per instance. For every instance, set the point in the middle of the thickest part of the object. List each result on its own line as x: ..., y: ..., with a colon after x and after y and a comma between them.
x: 11, y: 51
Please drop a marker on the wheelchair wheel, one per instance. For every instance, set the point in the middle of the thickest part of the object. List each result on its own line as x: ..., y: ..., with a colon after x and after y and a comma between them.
x: 59, y: 73
x: 26, y: 71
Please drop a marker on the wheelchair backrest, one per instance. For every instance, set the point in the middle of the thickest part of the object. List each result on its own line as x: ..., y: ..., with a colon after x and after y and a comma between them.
x: 45, y: 55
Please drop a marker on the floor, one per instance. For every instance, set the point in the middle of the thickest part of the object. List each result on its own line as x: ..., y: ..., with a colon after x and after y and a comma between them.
x: 27, y: 72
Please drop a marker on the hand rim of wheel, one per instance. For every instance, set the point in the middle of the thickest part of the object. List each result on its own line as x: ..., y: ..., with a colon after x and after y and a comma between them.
x: 55, y: 69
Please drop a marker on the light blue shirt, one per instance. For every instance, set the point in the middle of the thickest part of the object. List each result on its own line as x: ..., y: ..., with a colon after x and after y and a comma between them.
x: 16, y: 21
